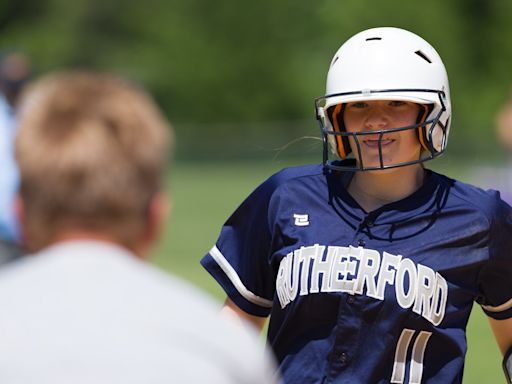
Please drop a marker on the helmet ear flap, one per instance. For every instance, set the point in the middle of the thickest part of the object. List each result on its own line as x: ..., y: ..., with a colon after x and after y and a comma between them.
x: 341, y: 143
x: 425, y: 110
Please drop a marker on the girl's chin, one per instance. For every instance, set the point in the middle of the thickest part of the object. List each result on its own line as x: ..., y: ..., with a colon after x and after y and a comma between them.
x: 386, y: 162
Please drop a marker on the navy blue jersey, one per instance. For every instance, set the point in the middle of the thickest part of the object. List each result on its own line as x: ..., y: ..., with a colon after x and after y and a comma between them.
x: 358, y: 297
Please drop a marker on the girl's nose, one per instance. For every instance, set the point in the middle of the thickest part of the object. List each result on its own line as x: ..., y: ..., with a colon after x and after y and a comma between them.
x: 376, y: 119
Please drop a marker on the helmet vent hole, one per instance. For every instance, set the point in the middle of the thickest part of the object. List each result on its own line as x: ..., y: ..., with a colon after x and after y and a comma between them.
x: 423, y: 56
x: 373, y: 38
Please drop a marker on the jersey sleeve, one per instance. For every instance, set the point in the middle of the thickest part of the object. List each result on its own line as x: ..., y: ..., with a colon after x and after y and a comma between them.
x: 240, y: 259
x: 495, y: 278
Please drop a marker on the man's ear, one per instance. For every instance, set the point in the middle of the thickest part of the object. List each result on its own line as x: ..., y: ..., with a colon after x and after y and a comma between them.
x: 157, y: 214
x: 19, y: 211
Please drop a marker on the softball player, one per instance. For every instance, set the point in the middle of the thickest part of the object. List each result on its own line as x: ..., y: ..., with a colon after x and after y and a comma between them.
x: 369, y: 264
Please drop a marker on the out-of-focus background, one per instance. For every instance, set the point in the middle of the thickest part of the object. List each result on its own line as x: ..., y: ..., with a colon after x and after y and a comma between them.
x: 237, y: 80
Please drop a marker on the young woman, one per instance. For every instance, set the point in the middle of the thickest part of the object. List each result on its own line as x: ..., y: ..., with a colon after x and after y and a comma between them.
x: 369, y: 264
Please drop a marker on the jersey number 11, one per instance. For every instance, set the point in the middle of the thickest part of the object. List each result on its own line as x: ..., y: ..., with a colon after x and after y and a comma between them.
x: 418, y: 350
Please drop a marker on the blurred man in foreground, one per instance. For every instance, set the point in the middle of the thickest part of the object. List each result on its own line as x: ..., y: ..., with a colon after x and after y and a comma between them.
x: 86, y: 308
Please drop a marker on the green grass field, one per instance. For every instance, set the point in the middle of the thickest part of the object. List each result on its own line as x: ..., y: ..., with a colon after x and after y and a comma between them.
x: 203, y: 197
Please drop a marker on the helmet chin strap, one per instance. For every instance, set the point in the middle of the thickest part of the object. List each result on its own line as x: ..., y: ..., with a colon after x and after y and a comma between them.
x: 335, y: 115
x: 425, y: 110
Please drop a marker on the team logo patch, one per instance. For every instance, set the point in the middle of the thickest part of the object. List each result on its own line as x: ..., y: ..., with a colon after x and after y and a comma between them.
x: 301, y: 220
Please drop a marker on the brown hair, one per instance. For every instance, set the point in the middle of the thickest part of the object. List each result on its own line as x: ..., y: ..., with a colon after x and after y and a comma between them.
x: 91, y: 149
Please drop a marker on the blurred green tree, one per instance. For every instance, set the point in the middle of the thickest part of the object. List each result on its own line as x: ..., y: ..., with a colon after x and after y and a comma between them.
x: 232, y: 72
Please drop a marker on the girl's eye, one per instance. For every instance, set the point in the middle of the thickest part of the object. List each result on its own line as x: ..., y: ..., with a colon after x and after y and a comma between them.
x: 396, y: 103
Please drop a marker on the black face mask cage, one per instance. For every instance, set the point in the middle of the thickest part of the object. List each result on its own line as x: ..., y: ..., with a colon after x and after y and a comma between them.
x: 355, y: 162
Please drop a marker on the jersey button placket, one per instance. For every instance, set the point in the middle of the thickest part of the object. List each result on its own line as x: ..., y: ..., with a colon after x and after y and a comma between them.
x: 347, y: 336
x: 362, y: 230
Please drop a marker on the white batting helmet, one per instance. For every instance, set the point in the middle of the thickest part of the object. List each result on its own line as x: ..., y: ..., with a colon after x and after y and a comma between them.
x: 385, y: 64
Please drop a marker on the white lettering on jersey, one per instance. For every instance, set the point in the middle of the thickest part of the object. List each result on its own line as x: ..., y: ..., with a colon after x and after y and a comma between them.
x: 356, y: 270
x: 322, y: 268
x: 406, y: 299
x: 426, y: 281
x: 439, y: 303
x: 368, y: 269
x: 387, y: 272
x: 343, y: 270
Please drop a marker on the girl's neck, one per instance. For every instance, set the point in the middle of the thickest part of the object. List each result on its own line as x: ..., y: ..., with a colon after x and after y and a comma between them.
x: 373, y: 189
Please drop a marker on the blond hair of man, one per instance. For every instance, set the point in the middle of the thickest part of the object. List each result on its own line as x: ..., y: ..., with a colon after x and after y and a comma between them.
x: 92, y: 150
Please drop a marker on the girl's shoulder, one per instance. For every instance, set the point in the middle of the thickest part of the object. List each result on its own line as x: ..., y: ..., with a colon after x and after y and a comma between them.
x: 488, y: 201
x: 290, y: 173
x: 305, y: 173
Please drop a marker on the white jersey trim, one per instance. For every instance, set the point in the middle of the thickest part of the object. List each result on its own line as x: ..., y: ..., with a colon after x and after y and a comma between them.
x: 499, y: 308
x: 233, y: 276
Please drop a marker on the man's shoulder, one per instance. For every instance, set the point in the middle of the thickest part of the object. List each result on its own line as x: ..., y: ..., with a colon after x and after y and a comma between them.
x: 110, y: 292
